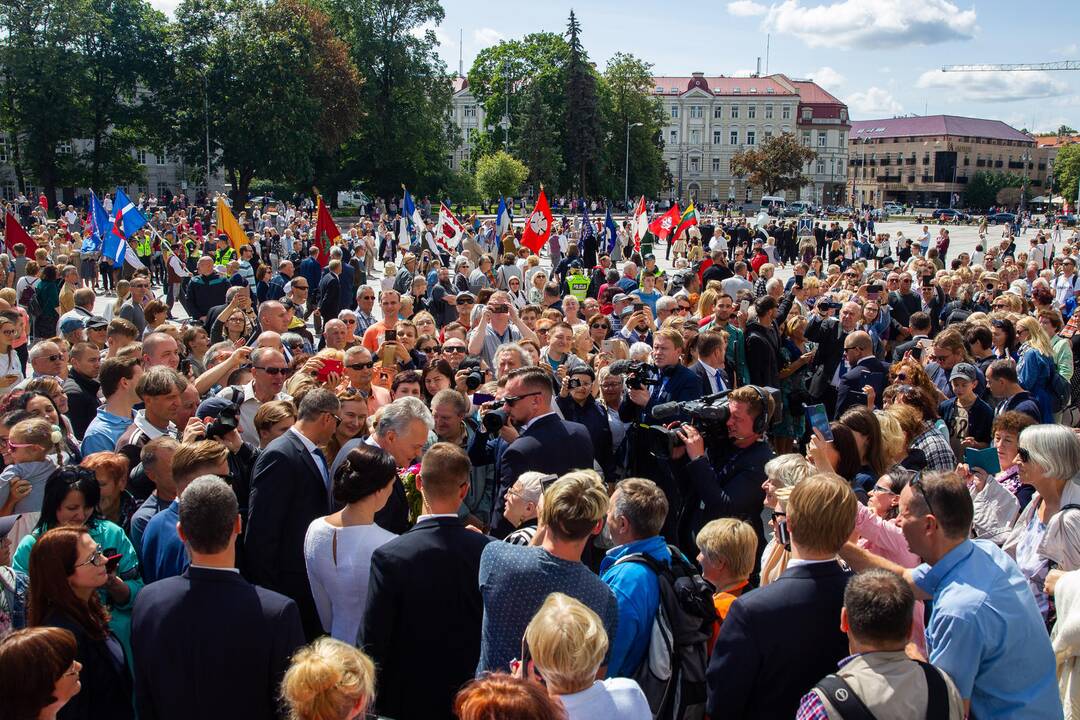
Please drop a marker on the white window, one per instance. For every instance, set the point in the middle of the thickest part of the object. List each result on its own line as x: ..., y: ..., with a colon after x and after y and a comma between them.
x: 751, y: 112
x: 470, y: 111
x: 716, y: 165
x: 695, y: 112
x: 717, y: 138
x: 3, y: 149
x: 808, y: 114
x: 734, y: 112
x: 733, y: 139
x: 751, y: 137
x: 160, y: 156
x: 450, y: 161
x: 140, y: 156
x: 468, y: 135
x: 785, y: 113
x: 162, y: 189
x: 843, y: 139
x: 767, y: 134
x: 674, y: 137
x: 821, y: 138
x: 8, y: 189
x: 768, y: 112
x: 718, y: 112
x: 820, y: 167
x: 674, y: 112
x: 806, y: 138
x: 695, y: 137
x: 695, y: 165
x: 63, y: 147
x: 735, y: 91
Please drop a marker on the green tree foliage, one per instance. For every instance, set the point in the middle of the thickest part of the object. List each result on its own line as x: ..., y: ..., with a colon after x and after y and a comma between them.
x: 983, y: 187
x: 775, y: 164
x: 404, y: 134
x: 1067, y: 172
x: 1066, y: 130
x: 540, y: 140
x: 583, y: 130
x: 627, y: 82
x: 499, y: 174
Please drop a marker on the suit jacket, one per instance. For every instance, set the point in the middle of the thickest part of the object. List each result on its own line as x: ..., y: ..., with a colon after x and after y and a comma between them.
x: 535, y: 450
x: 329, y: 296
x: 210, y: 644
x: 287, y: 493
x: 899, y: 350
x: 703, y: 375
x: 763, y: 355
x: 408, y: 633
x: 777, y: 642
x: 312, y: 271
x: 829, y: 336
x: 870, y: 371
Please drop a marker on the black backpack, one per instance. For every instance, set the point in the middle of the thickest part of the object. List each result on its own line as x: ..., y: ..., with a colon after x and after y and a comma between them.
x: 673, y: 672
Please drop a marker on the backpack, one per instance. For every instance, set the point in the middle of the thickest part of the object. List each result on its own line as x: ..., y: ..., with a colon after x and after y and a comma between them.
x: 850, y: 707
x: 672, y: 675
x: 1060, y: 390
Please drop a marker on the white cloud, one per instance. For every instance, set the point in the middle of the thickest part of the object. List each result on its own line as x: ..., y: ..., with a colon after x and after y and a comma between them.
x: 828, y: 78
x: 874, y: 103
x: 486, y: 37
x: 166, y: 6
x: 745, y: 72
x: 746, y: 8
x: 872, y: 24
x: 992, y: 86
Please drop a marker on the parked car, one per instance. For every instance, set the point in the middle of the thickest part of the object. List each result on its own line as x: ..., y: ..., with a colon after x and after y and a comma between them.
x: 947, y: 214
x: 893, y: 208
x: 800, y: 207
x: 1001, y: 217
x: 1066, y: 219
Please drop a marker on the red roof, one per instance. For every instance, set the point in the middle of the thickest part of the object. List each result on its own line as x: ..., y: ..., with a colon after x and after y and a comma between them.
x: 719, y: 85
x: 936, y: 125
x: 811, y: 93
x: 460, y: 83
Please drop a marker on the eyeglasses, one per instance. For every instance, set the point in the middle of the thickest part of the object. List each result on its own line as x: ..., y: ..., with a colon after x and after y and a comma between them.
x: 349, y: 321
x: 510, y: 400
x: 462, y: 303
x: 1024, y: 454
x: 453, y: 349
x: 917, y: 484
x: 600, y: 326
x: 273, y: 371
x: 882, y: 489
x: 362, y: 365
x: 11, y: 333
x: 93, y: 559
x: 336, y: 418
x: 431, y: 349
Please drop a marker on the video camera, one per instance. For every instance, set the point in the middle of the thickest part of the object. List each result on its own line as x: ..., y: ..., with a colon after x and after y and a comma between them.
x: 638, y: 374
x: 226, y: 421
x: 708, y: 414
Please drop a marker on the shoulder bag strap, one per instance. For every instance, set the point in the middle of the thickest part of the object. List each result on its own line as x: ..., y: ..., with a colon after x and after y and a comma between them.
x: 937, y: 693
x: 844, y: 699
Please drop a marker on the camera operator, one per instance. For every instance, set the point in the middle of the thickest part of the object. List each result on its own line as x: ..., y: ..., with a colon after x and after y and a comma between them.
x: 677, y: 383
x: 577, y: 404
x: 727, y: 481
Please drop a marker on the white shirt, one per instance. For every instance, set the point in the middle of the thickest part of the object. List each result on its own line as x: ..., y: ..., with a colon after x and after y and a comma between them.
x: 613, y: 699
x: 795, y: 562
x: 529, y: 424
x: 249, y: 405
x: 315, y: 457
x: 432, y: 516
x: 713, y: 380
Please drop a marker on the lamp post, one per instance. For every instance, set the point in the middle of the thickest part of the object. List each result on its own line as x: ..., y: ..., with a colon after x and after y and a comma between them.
x: 1025, y: 158
x: 626, y: 173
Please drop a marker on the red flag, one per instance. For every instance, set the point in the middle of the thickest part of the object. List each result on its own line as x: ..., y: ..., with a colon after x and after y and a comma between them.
x: 538, y: 225
x: 662, y: 226
x: 14, y: 233
x: 326, y: 233
x: 450, y: 230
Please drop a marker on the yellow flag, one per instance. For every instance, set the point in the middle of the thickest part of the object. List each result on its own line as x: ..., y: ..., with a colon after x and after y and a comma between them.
x: 227, y: 224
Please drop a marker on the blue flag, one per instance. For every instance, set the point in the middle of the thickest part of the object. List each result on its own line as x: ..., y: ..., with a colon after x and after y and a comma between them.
x: 611, y: 230
x: 126, y: 221
x: 99, y: 225
x: 503, y: 219
x: 587, y: 229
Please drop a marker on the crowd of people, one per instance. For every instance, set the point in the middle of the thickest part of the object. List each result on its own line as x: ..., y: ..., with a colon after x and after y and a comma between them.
x: 480, y: 482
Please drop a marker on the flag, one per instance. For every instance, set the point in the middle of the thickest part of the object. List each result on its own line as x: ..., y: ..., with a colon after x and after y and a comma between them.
x: 449, y: 232
x: 127, y: 220
x: 689, y: 218
x: 410, y: 216
x: 587, y: 230
x: 538, y: 226
x: 227, y: 225
x: 663, y: 225
x: 641, y: 223
x: 326, y: 232
x: 504, y: 219
x: 611, y: 230
x: 99, y: 225
x: 14, y: 233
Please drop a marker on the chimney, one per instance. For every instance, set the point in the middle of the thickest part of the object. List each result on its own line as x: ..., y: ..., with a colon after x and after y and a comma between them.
x: 758, y: 72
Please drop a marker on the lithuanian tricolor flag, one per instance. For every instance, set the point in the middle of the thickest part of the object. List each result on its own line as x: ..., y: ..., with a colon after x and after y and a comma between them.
x: 689, y: 217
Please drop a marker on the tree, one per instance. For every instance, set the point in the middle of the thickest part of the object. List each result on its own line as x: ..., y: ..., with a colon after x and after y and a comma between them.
x: 983, y: 188
x: 499, y: 174
x: 776, y: 164
x: 627, y: 85
x: 1066, y: 130
x: 583, y: 137
x: 539, y: 139
x: 1067, y: 171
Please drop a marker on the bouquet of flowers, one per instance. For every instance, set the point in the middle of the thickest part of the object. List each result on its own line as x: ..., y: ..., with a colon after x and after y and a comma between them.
x: 409, y: 477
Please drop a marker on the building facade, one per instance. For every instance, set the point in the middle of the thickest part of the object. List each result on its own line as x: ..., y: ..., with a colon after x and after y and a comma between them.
x: 928, y: 161
x: 467, y: 114
x: 162, y: 173
x: 712, y: 118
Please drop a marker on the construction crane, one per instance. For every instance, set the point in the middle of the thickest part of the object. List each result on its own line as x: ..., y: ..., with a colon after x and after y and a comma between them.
x: 1014, y: 67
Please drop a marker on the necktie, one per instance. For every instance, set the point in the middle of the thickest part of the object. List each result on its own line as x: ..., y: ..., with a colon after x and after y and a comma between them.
x: 718, y: 381
x: 324, y: 468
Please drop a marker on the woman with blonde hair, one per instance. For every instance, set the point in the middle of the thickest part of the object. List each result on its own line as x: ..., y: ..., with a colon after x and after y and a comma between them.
x: 1035, y: 366
x: 782, y: 473
x: 707, y: 303
x: 568, y: 643
x: 123, y: 290
x: 328, y: 680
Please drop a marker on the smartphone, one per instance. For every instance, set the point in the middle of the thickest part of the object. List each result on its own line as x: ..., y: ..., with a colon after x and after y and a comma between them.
x: 916, y: 352
x: 501, y: 309
x: 927, y: 280
x: 639, y: 306
x: 390, y: 336
x: 112, y: 559
x: 608, y: 346
x: 744, y: 306
x: 782, y: 535
x: 819, y: 420
x: 329, y: 366
x: 798, y: 281
x: 547, y: 481
x: 481, y: 398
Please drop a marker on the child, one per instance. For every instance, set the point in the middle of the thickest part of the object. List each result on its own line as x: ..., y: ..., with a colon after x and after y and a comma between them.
x: 728, y: 548
x: 22, y: 483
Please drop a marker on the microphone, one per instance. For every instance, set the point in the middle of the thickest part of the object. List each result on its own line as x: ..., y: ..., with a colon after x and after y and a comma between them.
x: 621, y: 367
x: 667, y: 411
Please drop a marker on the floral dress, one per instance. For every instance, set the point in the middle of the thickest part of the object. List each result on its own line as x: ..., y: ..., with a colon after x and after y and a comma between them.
x: 793, y: 424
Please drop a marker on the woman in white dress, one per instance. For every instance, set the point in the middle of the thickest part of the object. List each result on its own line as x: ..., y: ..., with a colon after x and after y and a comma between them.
x: 338, y: 547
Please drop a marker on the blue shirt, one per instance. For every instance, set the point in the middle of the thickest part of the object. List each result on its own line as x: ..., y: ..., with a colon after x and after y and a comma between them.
x: 987, y: 633
x: 163, y: 552
x: 103, y: 432
x: 648, y: 298
x: 637, y: 591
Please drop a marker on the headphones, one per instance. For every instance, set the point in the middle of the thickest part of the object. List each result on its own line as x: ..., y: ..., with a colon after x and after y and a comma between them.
x: 761, y: 422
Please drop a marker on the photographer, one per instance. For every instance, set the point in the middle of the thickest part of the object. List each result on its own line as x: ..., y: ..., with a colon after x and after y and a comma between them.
x: 727, y: 481
x: 676, y: 383
x: 577, y: 404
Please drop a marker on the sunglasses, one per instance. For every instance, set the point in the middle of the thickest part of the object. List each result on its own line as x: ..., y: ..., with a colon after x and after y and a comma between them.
x: 431, y: 349
x: 917, y: 485
x: 273, y: 371
x: 510, y: 400
x: 600, y: 326
x: 299, y: 287
x: 902, y: 377
x: 453, y: 349
x: 882, y: 489
x: 349, y: 321
x: 1024, y: 454
x: 362, y: 365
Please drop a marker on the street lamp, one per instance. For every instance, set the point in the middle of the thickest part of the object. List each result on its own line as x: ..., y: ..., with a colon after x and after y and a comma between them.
x: 1025, y: 158
x: 626, y: 174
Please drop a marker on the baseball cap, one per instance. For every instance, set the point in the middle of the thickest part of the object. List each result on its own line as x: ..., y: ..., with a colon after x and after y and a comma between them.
x: 650, y: 256
x: 95, y: 322
x: 211, y: 407
x: 621, y: 297
x: 964, y: 371
x: 70, y: 324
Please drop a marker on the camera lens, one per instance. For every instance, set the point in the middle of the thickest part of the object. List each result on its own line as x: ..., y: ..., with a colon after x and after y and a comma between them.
x: 494, y: 421
x: 575, y: 383
x: 474, y: 380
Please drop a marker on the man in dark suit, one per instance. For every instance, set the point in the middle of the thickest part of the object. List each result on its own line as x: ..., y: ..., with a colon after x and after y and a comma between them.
x: 710, y: 365
x: 829, y: 363
x: 330, y: 291
x: 919, y: 329
x: 865, y: 370
x: 401, y: 622
x: 208, y: 643
x: 903, y: 301
x: 313, y: 271
x: 546, y: 443
x: 290, y: 487
x: 779, y: 640
x: 763, y: 344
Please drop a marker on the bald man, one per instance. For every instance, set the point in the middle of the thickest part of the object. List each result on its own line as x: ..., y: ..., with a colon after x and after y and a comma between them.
x: 863, y: 370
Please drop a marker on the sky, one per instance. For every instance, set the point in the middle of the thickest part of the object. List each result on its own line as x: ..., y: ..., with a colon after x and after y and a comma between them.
x: 882, y: 57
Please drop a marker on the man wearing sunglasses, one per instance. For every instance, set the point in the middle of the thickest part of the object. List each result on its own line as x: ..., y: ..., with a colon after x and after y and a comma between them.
x: 528, y: 406
x: 499, y: 325
x: 359, y: 370
x: 269, y: 371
